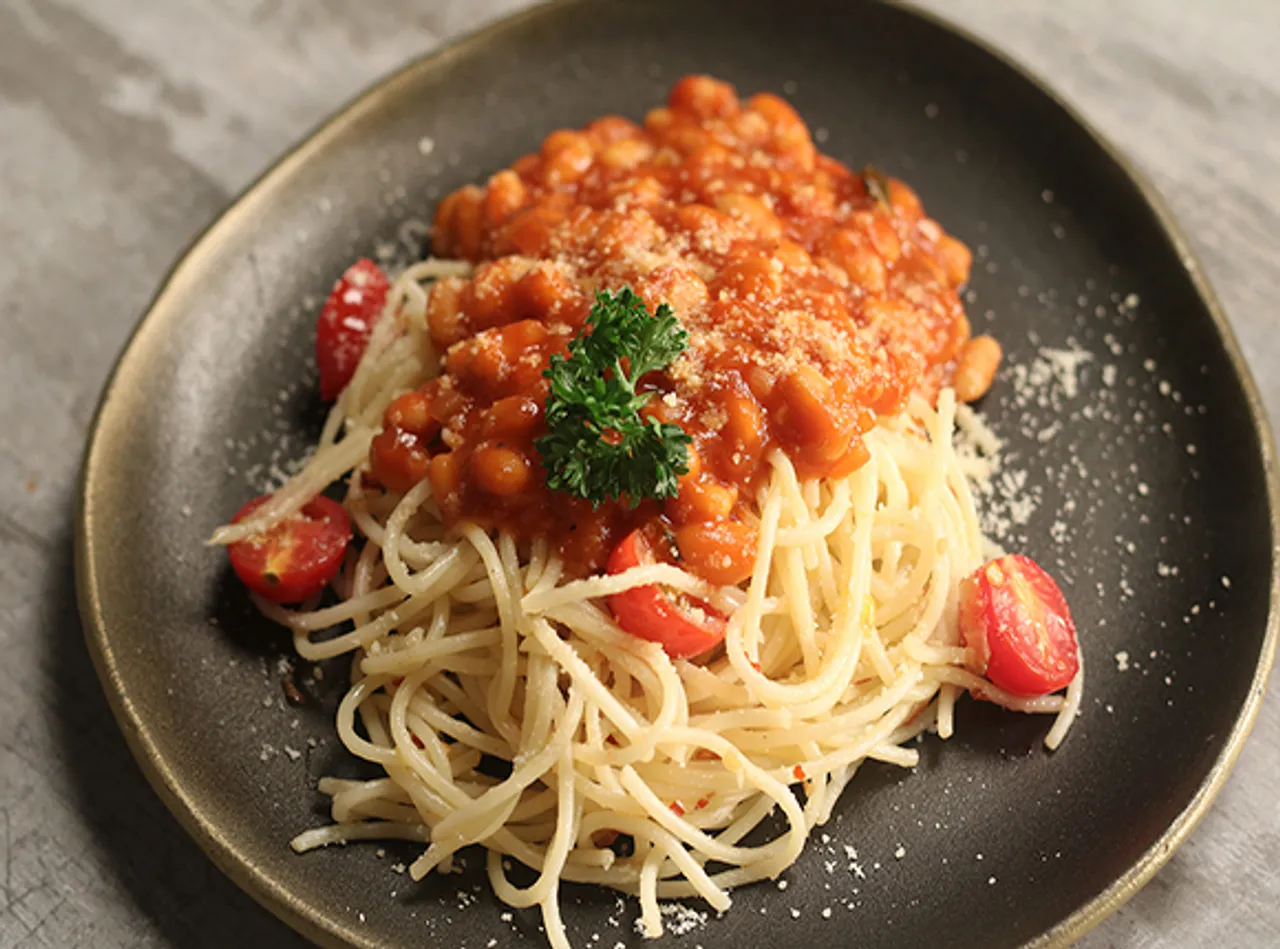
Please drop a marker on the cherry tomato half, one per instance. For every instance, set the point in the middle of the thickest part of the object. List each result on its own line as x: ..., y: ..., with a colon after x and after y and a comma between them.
x: 298, y: 557
x: 1017, y: 625
x: 684, y: 629
x: 347, y: 319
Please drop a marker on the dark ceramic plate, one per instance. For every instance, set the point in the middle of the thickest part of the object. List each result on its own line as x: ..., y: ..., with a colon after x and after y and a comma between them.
x: 1141, y: 475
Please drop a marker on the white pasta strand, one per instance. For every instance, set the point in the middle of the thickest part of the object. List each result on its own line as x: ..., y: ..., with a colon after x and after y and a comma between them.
x: 469, y: 651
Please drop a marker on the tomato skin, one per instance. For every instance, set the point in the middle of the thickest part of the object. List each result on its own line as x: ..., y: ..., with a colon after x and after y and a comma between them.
x: 1016, y: 623
x: 298, y: 557
x: 650, y: 613
x: 346, y: 320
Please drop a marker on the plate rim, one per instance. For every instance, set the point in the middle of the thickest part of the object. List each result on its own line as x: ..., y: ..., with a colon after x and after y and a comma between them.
x: 333, y: 933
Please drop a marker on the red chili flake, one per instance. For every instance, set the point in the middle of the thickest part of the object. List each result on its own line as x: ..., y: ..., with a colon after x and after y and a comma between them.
x: 677, y: 808
x: 755, y: 665
x: 416, y: 740
x: 798, y: 771
x: 610, y: 740
x: 702, y: 802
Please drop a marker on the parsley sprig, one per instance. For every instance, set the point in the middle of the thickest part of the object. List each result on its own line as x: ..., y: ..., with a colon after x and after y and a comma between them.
x: 597, y: 445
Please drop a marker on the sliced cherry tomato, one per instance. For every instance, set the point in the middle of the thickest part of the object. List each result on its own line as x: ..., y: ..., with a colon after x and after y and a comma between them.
x: 346, y: 321
x: 298, y: 557
x: 1016, y: 623
x: 684, y: 629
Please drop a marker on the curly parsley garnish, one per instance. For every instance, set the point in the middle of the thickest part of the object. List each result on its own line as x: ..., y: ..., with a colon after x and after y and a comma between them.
x: 598, y: 446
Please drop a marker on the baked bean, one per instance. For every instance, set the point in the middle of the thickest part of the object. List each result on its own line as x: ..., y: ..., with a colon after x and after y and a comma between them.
x: 706, y: 225
x: 517, y: 338
x: 792, y: 255
x: 884, y: 239
x: 488, y: 366
x: 546, y: 293
x: 676, y: 285
x: 705, y: 170
x: 760, y: 381
x: 693, y: 466
x: 807, y: 200
x: 444, y: 315
x: 958, y: 337
x: 807, y: 419
x: 449, y: 405
x: 723, y: 552
x: 506, y: 194
x: 658, y: 120
x: 626, y: 154
x: 666, y: 157
x: 754, y: 278
x: 612, y: 128
x: 398, y: 455
x: 832, y: 271
x: 635, y: 192
x: 852, y: 251
x: 702, y: 500
x: 955, y: 259
x: 411, y: 411
x: 468, y: 223
x: 744, y: 423
x: 619, y: 233
x: 531, y: 233
x: 489, y: 299
x: 527, y: 167
x: 516, y: 416
x: 751, y: 211
x: 494, y: 362
x: 854, y: 458
x: 703, y: 97
x: 692, y: 139
x: 398, y: 463
x: 925, y: 268
x: 794, y: 144
x: 445, y: 473
x: 501, y: 471
x: 750, y: 127
x: 904, y: 201
x: 566, y: 156
x: 977, y: 368
x: 776, y: 111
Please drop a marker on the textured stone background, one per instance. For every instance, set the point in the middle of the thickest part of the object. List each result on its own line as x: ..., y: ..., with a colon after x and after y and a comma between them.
x: 126, y: 125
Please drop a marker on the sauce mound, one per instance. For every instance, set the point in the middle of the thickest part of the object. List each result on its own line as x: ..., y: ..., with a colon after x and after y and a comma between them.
x: 815, y: 299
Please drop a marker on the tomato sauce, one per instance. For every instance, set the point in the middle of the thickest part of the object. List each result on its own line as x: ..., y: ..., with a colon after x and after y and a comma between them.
x: 815, y: 298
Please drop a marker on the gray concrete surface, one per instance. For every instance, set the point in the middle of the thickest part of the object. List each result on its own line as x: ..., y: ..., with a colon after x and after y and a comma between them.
x: 126, y: 125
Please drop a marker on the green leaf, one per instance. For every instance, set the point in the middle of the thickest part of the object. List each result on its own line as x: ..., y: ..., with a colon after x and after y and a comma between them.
x: 597, y: 445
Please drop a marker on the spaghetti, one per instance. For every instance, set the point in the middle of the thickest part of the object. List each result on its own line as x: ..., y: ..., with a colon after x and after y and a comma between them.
x: 842, y: 648
x: 507, y: 708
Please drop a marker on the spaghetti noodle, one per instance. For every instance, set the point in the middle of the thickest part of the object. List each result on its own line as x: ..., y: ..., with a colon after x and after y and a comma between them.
x: 843, y: 647
x: 505, y: 705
